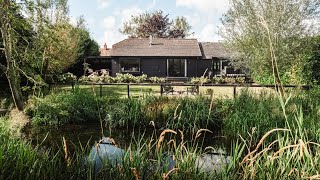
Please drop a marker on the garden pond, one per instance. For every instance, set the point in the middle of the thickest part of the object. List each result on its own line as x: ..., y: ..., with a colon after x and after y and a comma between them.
x: 87, y: 134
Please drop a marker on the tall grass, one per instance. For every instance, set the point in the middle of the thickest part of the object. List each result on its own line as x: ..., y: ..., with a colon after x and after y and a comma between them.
x: 251, y: 113
x: 20, y: 160
x: 65, y: 107
x: 145, y: 159
x: 185, y: 113
x: 281, y: 153
x: 167, y: 156
x: 283, y: 145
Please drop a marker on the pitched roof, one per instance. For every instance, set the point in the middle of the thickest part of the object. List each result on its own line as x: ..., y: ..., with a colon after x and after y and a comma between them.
x: 213, y: 49
x: 159, y: 47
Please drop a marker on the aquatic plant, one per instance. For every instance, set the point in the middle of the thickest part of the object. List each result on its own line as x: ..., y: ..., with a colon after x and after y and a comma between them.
x: 65, y: 107
x: 177, y: 113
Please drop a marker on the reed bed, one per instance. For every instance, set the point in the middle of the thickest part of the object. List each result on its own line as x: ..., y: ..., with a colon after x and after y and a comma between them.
x: 281, y: 153
x: 274, y: 137
x: 189, y: 114
x: 149, y: 158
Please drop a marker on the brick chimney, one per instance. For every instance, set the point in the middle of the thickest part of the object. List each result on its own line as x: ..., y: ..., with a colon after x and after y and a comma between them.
x: 105, y: 51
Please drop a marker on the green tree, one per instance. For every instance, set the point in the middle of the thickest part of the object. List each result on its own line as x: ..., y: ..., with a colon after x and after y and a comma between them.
x: 15, y: 42
x: 39, y: 45
x: 57, y: 41
x: 312, y: 67
x: 86, y: 47
x: 263, y: 34
x: 156, y: 24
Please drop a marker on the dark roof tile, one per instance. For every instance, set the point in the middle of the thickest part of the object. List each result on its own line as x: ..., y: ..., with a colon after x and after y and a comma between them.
x: 213, y: 49
x: 159, y: 47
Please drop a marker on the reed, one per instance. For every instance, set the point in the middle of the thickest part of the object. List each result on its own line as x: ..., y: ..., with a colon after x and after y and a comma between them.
x: 186, y: 113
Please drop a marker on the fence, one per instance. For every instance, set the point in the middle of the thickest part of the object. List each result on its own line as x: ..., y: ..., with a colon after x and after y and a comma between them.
x: 167, y: 88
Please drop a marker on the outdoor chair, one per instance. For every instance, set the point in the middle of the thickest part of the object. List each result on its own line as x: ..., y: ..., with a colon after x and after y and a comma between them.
x: 192, y: 90
x: 168, y: 89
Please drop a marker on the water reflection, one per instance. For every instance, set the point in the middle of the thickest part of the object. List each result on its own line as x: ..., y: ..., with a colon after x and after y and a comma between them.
x: 86, y: 135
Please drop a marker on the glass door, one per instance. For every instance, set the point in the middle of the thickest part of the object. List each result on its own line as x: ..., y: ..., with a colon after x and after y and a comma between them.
x: 176, y: 67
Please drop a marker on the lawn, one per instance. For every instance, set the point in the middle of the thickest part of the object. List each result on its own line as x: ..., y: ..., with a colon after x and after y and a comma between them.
x: 138, y: 90
x: 114, y: 90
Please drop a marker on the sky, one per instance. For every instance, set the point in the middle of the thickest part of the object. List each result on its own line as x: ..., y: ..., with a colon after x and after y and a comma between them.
x: 104, y: 18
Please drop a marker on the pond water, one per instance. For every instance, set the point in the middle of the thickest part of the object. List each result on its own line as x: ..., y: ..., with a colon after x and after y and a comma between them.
x: 78, y: 135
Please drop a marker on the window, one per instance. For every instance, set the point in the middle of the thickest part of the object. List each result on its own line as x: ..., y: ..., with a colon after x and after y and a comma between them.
x: 177, y: 67
x: 129, y: 64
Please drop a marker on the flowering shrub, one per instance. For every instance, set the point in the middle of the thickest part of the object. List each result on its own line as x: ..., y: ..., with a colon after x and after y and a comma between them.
x: 67, y: 78
x: 157, y: 80
x: 199, y: 80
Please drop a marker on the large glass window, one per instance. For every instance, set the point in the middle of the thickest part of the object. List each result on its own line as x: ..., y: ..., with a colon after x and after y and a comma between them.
x: 129, y: 64
x: 176, y: 67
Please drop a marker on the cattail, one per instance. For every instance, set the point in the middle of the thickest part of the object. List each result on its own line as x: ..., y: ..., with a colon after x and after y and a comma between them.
x: 65, y: 149
x: 161, y: 137
x: 135, y: 173
x: 166, y: 175
x: 198, y: 134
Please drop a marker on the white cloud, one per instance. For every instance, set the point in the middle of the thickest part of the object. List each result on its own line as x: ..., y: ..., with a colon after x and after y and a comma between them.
x: 127, y: 13
x: 112, y: 36
x: 205, y: 17
x: 207, y: 6
x: 209, y: 33
x: 109, y: 22
x: 193, y: 19
x: 112, y: 24
x: 102, y: 4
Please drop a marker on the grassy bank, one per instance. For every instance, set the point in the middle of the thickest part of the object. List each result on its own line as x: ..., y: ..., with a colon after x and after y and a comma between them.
x: 144, y: 159
x: 274, y: 138
x: 260, y: 113
x: 20, y: 160
x: 161, y: 112
x: 65, y: 107
x: 246, y: 113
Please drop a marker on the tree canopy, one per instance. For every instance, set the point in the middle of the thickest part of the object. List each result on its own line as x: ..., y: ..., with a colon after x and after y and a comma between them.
x: 38, y: 42
x: 156, y: 24
x: 252, y: 27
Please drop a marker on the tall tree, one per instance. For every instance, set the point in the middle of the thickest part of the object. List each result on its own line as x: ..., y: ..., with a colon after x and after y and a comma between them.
x: 86, y: 47
x: 269, y: 36
x: 38, y: 45
x: 156, y: 24
x: 312, y: 67
x: 57, y: 40
x: 9, y: 19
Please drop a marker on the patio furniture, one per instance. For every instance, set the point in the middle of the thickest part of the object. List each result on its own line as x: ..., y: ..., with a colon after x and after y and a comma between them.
x: 192, y: 90
x: 168, y: 89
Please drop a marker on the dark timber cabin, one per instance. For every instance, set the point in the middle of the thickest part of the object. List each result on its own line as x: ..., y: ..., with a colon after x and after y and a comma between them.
x: 172, y: 58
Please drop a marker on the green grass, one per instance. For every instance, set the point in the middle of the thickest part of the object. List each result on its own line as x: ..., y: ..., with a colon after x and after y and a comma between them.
x: 65, y: 107
x: 287, y: 152
x: 246, y: 113
x: 274, y: 138
x: 260, y: 113
x: 20, y: 160
x: 145, y: 158
x: 113, y: 90
x: 189, y: 114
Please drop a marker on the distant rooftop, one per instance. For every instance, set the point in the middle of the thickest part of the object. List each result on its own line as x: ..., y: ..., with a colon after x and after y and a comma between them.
x: 213, y: 49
